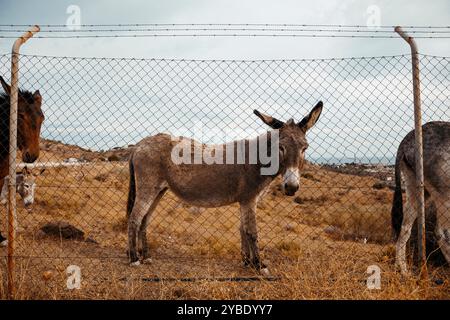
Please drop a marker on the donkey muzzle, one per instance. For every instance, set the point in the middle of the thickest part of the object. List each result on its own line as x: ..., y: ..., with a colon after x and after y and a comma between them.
x: 290, y: 189
x: 29, y: 157
x: 290, y: 181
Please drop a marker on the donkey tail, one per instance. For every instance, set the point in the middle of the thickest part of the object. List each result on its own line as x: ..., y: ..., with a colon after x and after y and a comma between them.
x: 131, y: 189
x: 397, y: 202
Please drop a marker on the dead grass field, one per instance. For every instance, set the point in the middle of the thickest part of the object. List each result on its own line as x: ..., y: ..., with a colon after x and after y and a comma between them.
x: 319, y: 244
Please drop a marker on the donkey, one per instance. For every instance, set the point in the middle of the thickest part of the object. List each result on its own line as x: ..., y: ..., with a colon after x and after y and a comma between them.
x: 30, y: 118
x: 204, y: 184
x: 26, y: 187
x: 436, y: 161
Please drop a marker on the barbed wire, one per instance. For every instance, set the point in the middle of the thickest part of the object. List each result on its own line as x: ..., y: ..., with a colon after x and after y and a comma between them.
x: 224, y: 24
x: 225, y: 29
x: 225, y: 35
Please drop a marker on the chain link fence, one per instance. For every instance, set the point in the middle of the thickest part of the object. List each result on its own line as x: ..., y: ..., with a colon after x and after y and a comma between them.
x: 96, y: 109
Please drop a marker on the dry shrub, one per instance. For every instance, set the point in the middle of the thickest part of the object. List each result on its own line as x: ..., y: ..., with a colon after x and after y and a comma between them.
x: 362, y: 223
x: 312, y: 200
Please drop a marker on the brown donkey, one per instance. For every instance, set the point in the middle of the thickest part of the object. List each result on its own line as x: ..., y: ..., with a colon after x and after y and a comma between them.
x: 30, y: 118
x: 239, y: 172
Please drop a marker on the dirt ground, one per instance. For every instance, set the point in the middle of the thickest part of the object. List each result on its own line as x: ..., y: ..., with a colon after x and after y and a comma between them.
x: 318, y: 244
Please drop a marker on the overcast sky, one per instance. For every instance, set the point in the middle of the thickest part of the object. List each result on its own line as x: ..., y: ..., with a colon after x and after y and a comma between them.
x: 399, y: 12
x: 105, y: 103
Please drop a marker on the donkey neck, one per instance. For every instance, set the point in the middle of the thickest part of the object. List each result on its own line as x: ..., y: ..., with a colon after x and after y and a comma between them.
x: 4, y: 131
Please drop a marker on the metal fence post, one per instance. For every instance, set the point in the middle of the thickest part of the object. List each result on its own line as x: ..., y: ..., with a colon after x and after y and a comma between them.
x: 12, y: 216
x: 418, y: 153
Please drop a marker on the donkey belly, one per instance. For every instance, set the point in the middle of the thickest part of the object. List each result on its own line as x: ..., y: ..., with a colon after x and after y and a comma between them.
x: 210, y: 201
x: 212, y: 187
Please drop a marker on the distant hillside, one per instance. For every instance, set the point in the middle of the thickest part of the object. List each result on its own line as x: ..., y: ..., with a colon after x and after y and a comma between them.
x: 58, y: 151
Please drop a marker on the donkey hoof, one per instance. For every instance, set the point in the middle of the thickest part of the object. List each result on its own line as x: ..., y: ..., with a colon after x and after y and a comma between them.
x: 265, y: 272
x: 4, y: 243
x: 147, y: 261
x: 264, y: 264
x: 135, y: 263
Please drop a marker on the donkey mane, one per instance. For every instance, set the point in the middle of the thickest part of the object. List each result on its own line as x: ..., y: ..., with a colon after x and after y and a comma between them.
x: 24, y: 94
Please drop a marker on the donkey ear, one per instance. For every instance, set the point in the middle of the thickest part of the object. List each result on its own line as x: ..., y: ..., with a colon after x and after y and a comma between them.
x: 37, y: 96
x: 270, y: 121
x: 311, y: 119
x: 25, y: 170
x: 5, y: 86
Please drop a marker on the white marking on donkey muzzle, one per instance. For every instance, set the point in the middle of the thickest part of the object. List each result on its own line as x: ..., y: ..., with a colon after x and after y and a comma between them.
x: 291, y: 181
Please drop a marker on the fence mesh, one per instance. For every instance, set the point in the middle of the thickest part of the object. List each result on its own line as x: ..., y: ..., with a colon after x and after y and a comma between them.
x: 338, y: 223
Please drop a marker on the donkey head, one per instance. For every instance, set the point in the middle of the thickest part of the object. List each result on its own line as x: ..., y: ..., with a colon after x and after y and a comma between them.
x: 292, y: 144
x: 26, y: 185
x: 30, y: 118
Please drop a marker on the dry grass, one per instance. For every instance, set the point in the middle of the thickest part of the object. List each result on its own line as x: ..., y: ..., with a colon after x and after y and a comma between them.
x: 311, y: 262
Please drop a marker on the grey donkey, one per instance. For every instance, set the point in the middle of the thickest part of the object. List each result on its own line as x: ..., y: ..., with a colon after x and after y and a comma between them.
x: 25, y: 186
x: 436, y: 161
x: 206, y: 184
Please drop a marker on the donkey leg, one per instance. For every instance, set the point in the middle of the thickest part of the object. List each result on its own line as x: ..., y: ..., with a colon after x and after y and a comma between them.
x: 140, y: 208
x: 250, y: 234
x: 409, y: 216
x: 443, y: 224
x: 143, y: 229
x: 245, y: 249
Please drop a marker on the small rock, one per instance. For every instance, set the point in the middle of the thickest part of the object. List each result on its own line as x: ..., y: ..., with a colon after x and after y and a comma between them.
x: 265, y: 272
x: 290, y: 227
x: 91, y: 240
x: 47, y: 275
x: 178, y: 293
x: 64, y: 229
x: 332, y: 230
x: 298, y: 200
x: 379, y: 185
x: 135, y: 264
